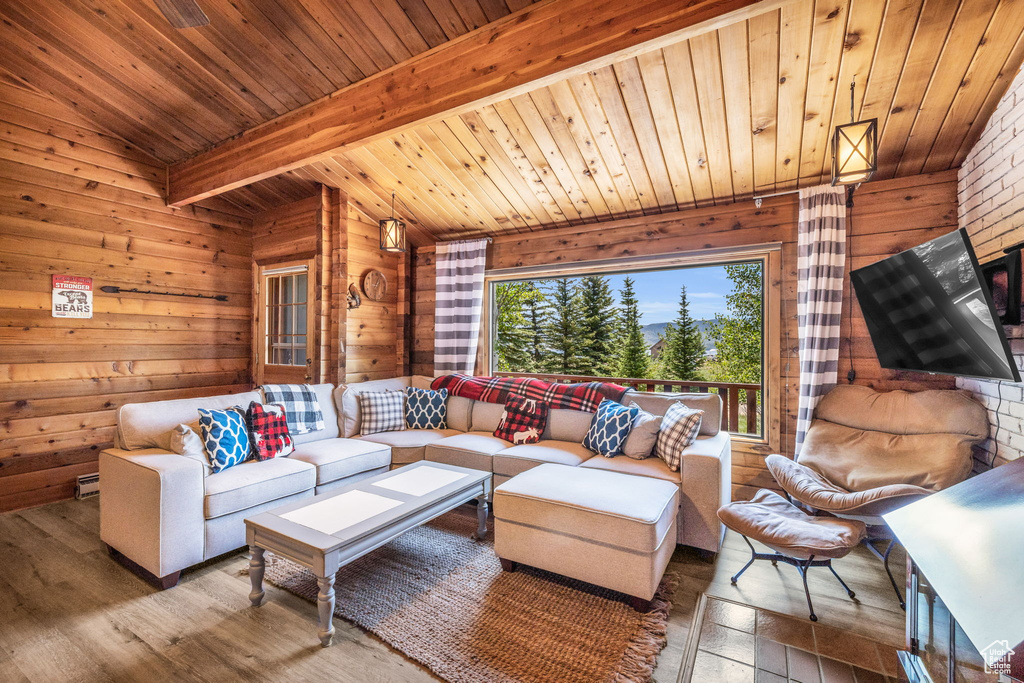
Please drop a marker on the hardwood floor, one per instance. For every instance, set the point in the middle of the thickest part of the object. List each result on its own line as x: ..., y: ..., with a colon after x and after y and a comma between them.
x: 70, y: 613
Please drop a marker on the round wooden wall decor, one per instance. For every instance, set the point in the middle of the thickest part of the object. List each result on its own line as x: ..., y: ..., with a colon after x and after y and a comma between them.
x: 375, y: 285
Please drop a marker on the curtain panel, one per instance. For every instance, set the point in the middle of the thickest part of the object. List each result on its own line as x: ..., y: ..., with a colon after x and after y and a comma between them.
x: 458, y: 305
x: 821, y: 260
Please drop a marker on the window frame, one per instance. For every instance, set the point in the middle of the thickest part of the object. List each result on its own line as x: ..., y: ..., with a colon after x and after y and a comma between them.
x: 261, y: 342
x: 769, y: 255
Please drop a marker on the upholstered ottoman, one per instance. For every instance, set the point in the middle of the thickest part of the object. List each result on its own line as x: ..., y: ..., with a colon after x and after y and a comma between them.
x: 796, y: 537
x: 613, y: 530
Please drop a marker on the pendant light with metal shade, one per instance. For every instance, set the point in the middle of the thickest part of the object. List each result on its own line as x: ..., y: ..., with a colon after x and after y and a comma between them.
x: 392, y: 231
x: 854, y: 149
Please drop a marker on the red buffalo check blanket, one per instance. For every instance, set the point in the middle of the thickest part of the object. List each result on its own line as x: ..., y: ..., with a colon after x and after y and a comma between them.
x: 583, y: 396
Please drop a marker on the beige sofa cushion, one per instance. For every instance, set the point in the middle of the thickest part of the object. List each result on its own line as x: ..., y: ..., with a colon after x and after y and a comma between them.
x: 347, y: 403
x: 567, y: 425
x: 149, y: 425
x: 254, y: 483
x: 420, y: 381
x: 858, y: 460
x: 657, y: 404
x: 459, y: 412
x: 472, y: 450
x: 772, y: 520
x: 643, y: 436
x: 185, y: 440
x: 648, y: 467
x: 634, y: 513
x: 339, y: 458
x: 513, y: 461
x: 408, y: 445
x: 486, y: 416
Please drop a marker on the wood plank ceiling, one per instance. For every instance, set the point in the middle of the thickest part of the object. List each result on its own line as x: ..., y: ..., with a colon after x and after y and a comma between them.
x: 742, y: 110
x: 745, y: 109
x: 176, y: 92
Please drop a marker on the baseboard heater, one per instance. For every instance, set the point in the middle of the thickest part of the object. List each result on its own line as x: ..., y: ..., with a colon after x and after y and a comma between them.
x: 87, y: 485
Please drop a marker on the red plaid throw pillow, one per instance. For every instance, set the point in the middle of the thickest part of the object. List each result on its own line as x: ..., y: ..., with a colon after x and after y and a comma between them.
x: 268, y: 431
x: 523, y: 421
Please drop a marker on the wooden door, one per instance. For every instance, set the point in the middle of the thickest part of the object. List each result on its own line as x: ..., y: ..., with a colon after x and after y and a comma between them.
x: 285, y: 352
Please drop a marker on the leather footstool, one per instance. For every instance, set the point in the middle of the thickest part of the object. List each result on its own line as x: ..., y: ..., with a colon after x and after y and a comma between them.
x: 610, y: 529
x: 797, y: 538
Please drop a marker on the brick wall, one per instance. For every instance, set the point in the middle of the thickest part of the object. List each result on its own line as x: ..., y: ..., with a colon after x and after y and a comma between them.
x: 991, y: 207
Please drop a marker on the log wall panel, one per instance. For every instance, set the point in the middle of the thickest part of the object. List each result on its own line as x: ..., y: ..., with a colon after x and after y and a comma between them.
x: 372, y: 351
x: 888, y: 216
x: 75, y: 200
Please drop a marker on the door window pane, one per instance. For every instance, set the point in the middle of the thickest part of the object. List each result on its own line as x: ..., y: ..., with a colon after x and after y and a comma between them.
x: 286, y: 318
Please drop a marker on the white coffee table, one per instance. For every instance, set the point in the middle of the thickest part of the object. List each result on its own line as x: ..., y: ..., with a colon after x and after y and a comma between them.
x: 327, y: 531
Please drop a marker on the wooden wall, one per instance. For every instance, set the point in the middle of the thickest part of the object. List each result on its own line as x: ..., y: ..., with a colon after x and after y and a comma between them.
x: 888, y: 216
x: 75, y: 200
x: 376, y: 330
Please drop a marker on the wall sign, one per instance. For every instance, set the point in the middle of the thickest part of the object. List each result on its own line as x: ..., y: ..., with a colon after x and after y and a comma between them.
x: 72, y: 297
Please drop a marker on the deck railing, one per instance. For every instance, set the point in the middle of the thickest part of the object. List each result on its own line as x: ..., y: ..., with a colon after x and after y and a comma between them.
x: 741, y: 401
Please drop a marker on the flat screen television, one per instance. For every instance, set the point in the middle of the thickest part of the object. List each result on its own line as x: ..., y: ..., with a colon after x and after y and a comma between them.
x: 928, y: 309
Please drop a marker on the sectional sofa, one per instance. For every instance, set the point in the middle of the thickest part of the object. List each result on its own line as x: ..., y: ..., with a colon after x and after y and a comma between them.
x: 163, y: 512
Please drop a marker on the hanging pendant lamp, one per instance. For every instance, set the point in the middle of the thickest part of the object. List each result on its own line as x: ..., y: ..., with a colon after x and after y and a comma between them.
x: 854, y: 149
x: 392, y: 231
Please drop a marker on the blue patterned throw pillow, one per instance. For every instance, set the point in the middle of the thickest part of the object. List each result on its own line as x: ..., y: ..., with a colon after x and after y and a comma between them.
x: 426, y: 408
x: 225, y: 437
x: 609, y: 428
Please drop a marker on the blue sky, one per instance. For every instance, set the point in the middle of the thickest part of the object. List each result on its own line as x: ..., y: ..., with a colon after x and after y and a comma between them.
x: 658, y: 292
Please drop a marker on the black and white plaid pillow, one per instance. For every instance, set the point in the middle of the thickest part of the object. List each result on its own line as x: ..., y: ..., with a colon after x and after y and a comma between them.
x: 382, y: 411
x: 679, y: 429
x: 301, y: 406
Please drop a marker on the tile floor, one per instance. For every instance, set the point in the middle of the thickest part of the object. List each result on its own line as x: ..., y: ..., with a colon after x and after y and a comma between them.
x: 741, y: 644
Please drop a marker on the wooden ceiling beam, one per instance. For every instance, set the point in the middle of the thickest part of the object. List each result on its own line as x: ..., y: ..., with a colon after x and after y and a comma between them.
x: 534, y: 47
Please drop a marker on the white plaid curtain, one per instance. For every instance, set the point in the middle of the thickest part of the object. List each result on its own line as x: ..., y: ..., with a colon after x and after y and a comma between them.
x: 458, y: 305
x: 821, y: 258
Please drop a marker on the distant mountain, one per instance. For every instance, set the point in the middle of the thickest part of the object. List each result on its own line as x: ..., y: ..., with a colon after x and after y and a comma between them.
x: 653, y: 331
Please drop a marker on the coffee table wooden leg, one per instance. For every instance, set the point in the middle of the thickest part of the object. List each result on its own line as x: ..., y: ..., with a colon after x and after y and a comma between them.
x: 325, y: 603
x: 481, y: 516
x: 257, y: 566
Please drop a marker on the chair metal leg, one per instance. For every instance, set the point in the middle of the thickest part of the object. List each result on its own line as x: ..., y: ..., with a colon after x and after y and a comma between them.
x: 753, y: 556
x: 807, y: 591
x: 841, y: 582
x: 892, y: 579
x: 884, y: 557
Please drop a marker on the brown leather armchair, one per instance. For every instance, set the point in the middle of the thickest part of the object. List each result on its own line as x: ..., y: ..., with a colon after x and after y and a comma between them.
x: 870, y: 452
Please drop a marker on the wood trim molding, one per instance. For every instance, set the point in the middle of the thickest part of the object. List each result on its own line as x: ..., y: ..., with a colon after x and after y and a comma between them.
x: 533, y: 47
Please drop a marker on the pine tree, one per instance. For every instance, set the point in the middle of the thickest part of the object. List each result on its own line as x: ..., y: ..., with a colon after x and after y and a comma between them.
x: 534, y: 311
x: 737, y: 334
x: 563, y: 329
x: 515, y: 336
x: 599, y: 326
x: 683, y: 353
x: 634, y: 360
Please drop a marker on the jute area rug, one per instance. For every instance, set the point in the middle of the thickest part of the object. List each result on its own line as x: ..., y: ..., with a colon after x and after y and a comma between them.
x: 442, y: 599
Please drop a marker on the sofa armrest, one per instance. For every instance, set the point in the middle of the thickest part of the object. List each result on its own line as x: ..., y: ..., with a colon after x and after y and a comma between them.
x: 151, y: 508
x: 706, y: 485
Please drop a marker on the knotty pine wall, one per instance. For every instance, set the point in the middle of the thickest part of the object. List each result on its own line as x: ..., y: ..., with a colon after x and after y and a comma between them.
x: 374, y: 334
x: 376, y: 330
x: 75, y: 200
x: 888, y: 217
x: 992, y: 210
